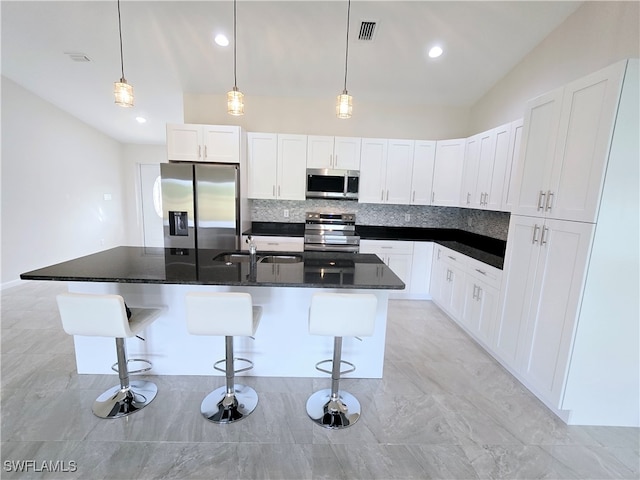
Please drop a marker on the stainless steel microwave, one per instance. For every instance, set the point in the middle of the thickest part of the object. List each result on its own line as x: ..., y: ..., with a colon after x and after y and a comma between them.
x: 328, y: 183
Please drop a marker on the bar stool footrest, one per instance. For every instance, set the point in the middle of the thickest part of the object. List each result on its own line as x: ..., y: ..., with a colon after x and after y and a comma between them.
x: 329, y: 360
x: 114, y: 367
x: 235, y: 359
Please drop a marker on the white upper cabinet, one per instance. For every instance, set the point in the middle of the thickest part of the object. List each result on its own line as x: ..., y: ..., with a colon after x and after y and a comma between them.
x: 566, y: 141
x: 277, y: 166
x: 485, y: 163
x: 513, y: 157
x: 385, y: 171
x: 373, y: 163
x: 203, y: 143
x: 342, y: 153
x: 447, y: 172
x: 424, y: 156
x: 398, y: 171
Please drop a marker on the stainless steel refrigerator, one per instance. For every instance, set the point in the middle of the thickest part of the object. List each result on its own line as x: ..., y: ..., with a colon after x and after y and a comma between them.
x: 200, y: 205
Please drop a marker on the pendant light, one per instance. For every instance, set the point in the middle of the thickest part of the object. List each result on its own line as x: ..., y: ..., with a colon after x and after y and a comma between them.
x: 122, y: 91
x: 235, y: 102
x: 344, y: 105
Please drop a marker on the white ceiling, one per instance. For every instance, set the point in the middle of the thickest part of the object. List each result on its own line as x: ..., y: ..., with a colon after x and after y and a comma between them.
x: 287, y: 48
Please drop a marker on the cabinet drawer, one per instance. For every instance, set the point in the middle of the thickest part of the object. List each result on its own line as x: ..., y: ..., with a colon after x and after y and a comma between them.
x: 386, y: 247
x: 451, y: 256
x: 490, y: 275
x: 275, y: 244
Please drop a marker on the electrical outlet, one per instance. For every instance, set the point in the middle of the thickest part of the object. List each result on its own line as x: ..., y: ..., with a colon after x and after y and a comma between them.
x: 407, y: 217
x: 286, y: 213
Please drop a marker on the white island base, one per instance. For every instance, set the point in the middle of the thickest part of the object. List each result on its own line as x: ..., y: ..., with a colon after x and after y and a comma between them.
x: 282, y: 346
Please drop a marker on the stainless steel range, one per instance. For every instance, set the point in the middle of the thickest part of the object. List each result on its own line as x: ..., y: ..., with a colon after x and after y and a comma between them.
x: 331, y: 232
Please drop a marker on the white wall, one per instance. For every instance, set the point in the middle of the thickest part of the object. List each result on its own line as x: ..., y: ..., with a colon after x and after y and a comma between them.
x: 596, y: 35
x: 317, y: 116
x: 55, y: 172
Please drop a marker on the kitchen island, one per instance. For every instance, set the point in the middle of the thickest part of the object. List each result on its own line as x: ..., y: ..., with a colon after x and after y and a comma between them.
x: 282, y: 283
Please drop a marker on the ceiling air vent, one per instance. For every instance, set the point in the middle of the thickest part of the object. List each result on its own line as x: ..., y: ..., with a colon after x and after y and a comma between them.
x: 367, y: 31
x: 78, y: 57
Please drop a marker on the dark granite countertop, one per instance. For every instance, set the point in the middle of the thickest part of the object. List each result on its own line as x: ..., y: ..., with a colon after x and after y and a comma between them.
x: 485, y: 249
x: 208, y: 267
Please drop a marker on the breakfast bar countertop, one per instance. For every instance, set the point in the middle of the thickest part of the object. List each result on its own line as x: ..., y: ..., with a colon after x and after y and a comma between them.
x: 217, y: 267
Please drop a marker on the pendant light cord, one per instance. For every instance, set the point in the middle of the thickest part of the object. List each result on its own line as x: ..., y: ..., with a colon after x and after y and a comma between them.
x: 120, y: 30
x: 235, y: 79
x: 346, y: 56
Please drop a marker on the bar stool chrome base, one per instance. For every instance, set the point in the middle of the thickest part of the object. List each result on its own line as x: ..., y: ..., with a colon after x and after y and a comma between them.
x: 220, y: 406
x: 119, y: 402
x: 331, y: 412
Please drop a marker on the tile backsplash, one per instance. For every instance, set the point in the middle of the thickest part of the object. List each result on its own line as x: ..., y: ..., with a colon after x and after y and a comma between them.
x: 491, y: 224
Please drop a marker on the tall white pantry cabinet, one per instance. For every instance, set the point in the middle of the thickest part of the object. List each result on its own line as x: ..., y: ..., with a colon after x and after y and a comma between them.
x: 569, y: 327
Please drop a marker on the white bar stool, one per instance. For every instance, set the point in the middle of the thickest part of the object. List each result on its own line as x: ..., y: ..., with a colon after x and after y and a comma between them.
x: 339, y: 315
x: 226, y: 314
x: 106, y: 316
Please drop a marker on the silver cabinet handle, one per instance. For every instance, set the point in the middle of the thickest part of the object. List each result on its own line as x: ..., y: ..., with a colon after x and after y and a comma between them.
x: 331, y: 160
x: 452, y: 258
x: 541, y: 196
x: 549, y: 202
x: 486, y: 199
x: 474, y: 291
x: 414, y: 196
x: 387, y: 195
x: 543, y: 239
x: 205, y: 152
x: 468, y: 198
x: 278, y: 190
x: 482, y: 272
x: 433, y: 197
x: 448, y: 275
x: 479, y: 292
x: 335, y: 161
x: 439, y: 252
x: 382, y: 195
x: 273, y: 191
x: 534, y: 240
x: 199, y: 150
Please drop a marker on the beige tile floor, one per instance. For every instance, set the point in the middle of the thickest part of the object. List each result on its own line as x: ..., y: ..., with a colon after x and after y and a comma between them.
x: 444, y: 409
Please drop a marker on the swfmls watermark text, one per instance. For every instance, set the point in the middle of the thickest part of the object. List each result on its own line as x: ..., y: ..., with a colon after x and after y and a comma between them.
x: 53, y: 466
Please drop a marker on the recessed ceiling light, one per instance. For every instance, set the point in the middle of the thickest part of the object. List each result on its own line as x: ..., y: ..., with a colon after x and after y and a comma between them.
x: 435, y: 52
x: 141, y: 120
x: 221, y: 40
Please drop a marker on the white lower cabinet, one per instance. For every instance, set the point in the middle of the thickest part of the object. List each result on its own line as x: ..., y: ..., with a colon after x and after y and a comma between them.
x: 447, y: 280
x: 481, y: 301
x: 396, y: 254
x: 547, y: 265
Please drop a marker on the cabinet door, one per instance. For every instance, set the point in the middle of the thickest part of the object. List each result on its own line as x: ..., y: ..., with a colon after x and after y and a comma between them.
x: 319, y: 152
x: 540, y: 133
x: 513, y: 160
x: 400, y: 264
x: 424, y: 155
x: 439, y: 274
x: 588, y: 115
x: 398, y: 171
x: 373, y: 160
x: 480, y: 309
x: 421, y: 268
x: 346, y: 153
x: 454, y: 291
x: 501, y: 158
x: 221, y: 143
x: 470, y: 171
x: 184, y: 142
x: 486, y: 162
x: 262, y: 165
x: 521, y: 259
x: 557, y: 293
x: 447, y: 173
x: 292, y: 171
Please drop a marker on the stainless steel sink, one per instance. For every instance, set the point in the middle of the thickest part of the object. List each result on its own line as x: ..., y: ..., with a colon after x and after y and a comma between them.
x: 280, y: 259
x: 231, y: 258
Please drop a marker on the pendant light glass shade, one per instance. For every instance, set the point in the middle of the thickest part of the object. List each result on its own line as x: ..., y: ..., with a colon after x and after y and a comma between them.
x: 344, y: 105
x: 123, y: 93
x: 235, y: 98
x: 235, y: 102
